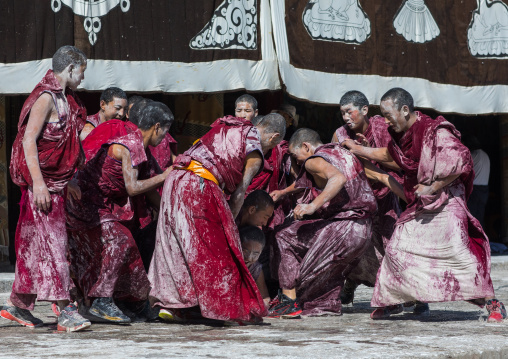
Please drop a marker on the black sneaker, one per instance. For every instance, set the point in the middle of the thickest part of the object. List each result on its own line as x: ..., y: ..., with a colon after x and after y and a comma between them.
x: 347, y: 294
x: 70, y: 320
x: 22, y: 316
x: 138, y: 311
x: 284, y: 307
x: 421, y: 309
x: 105, y: 308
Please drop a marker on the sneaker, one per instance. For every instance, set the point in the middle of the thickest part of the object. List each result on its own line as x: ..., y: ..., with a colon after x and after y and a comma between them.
x: 55, y: 308
x: 421, y: 309
x: 70, y: 320
x: 22, y: 316
x: 284, y: 307
x: 347, y: 294
x: 171, y: 315
x: 496, y: 310
x: 105, y: 308
x: 233, y: 323
x: 385, y: 312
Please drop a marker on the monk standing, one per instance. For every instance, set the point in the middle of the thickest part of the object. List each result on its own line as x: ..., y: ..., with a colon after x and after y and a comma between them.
x: 113, y: 106
x: 45, y: 155
x: 373, y: 132
x: 438, y: 251
x: 198, y: 257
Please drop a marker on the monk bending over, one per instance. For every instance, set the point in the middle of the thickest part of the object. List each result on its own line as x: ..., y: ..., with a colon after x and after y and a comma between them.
x: 332, y: 226
x: 198, y: 257
x: 104, y: 255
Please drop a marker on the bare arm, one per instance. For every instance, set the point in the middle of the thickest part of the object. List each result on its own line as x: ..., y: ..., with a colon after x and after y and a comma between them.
x: 380, y: 155
x: 277, y: 195
x: 321, y: 171
x: 86, y: 131
x: 253, y: 163
x: 130, y: 174
x: 39, y: 115
x: 334, y: 138
x: 376, y: 174
x: 422, y: 190
x: 263, y: 290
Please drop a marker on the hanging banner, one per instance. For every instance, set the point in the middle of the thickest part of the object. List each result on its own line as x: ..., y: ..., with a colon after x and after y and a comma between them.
x: 449, y: 55
x: 167, y: 46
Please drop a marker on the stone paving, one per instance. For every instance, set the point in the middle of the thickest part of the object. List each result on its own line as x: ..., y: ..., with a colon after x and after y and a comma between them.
x: 453, y: 330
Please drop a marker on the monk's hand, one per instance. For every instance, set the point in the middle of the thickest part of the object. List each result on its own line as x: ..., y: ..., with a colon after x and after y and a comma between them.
x: 349, y: 143
x: 42, y: 198
x: 423, y: 190
x: 167, y: 171
x: 73, y: 190
x: 362, y: 140
x: 277, y: 195
x: 304, y: 209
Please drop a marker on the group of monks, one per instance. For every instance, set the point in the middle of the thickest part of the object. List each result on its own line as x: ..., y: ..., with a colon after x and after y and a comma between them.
x: 114, y: 226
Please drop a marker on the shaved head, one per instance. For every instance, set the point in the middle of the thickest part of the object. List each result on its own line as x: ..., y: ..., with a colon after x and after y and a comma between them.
x: 305, y: 135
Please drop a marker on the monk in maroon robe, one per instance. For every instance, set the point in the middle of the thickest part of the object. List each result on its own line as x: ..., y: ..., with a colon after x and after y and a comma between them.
x: 331, y: 231
x: 105, y: 258
x: 113, y: 105
x: 198, y: 258
x: 373, y: 132
x: 165, y: 153
x: 438, y: 251
x: 45, y: 155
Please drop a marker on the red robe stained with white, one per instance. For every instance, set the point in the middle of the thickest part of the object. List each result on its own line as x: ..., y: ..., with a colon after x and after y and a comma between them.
x: 162, y: 152
x: 198, y: 258
x: 104, y: 255
x: 318, y: 252
x: 388, y: 204
x: 438, y: 251
x: 94, y: 120
x: 42, y: 271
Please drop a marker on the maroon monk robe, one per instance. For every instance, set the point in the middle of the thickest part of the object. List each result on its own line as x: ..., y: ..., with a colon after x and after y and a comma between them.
x: 104, y: 255
x: 438, y: 251
x: 389, y: 210
x: 94, y: 120
x: 198, y: 257
x: 318, y: 252
x: 162, y: 152
x: 103, y: 133
x: 273, y: 178
x: 42, y: 271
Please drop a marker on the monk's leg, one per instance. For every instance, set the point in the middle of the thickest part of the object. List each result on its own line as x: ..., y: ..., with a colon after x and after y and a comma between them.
x: 122, y: 274
x: 42, y: 270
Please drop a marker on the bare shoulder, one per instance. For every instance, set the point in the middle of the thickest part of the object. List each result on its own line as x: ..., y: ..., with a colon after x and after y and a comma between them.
x: 118, y: 152
x: 316, y: 164
x: 43, y: 106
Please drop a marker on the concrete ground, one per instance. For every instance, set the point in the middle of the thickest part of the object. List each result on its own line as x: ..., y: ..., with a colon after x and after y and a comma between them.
x: 453, y: 330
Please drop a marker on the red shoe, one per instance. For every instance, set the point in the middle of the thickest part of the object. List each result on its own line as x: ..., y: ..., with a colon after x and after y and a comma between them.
x: 385, y: 312
x: 496, y: 310
x: 55, y: 309
x: 22, y: 316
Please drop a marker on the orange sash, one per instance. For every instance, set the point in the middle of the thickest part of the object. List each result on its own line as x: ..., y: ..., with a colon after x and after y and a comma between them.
x: 199, y: 170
